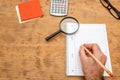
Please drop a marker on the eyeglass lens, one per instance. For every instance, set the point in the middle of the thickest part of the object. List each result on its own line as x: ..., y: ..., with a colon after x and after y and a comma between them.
x: 113, y: 11
x: 105, y: 3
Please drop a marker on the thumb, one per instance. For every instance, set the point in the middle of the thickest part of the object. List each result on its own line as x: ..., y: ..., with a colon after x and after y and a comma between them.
x: 82, y: 53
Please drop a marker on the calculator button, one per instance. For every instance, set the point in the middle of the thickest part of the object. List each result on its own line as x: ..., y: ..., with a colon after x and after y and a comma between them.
x: 59, y: 7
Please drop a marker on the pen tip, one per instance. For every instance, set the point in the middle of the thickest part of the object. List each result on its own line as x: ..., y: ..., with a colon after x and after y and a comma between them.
x: 111, y: 75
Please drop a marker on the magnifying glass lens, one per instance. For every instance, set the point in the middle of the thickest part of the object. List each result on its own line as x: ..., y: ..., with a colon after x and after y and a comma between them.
x: 68, y: 25
x: 69, y: 29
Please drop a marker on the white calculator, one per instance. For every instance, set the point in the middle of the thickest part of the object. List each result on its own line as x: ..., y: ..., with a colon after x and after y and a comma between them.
x: 59, y: 7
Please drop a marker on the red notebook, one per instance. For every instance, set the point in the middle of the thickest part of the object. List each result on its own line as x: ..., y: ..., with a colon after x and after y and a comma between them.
x: 29, y: 10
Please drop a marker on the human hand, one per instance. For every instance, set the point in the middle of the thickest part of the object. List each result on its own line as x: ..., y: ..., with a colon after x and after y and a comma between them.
x: 92, y: 70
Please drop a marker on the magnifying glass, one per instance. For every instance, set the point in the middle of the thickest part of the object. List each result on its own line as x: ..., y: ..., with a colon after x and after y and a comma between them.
x: 65, y: 28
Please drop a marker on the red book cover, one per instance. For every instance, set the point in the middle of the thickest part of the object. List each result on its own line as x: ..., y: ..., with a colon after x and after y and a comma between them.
x: 29, y: 10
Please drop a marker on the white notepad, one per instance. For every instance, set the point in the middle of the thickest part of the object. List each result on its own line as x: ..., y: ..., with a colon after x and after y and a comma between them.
x: 87, y: 33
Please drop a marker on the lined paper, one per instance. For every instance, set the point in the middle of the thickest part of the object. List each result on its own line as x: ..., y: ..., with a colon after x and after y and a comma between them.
x: 87, y: 33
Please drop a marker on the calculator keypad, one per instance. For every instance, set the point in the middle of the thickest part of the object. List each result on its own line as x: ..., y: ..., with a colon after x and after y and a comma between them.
x: 59, y: 6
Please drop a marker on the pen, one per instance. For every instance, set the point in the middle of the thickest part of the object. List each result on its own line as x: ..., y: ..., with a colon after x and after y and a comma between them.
x: 108, y: 71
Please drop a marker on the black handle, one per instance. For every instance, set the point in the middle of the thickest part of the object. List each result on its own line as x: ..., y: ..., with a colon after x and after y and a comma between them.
x: 52, y: 35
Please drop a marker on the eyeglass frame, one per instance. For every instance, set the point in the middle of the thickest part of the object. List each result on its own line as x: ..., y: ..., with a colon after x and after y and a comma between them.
x: 110, y: 6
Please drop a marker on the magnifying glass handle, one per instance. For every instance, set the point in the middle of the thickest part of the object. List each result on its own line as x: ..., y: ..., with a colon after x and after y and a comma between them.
x: 52, y: 35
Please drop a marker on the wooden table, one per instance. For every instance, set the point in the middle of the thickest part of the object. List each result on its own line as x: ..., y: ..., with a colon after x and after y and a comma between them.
x: 24, y: 53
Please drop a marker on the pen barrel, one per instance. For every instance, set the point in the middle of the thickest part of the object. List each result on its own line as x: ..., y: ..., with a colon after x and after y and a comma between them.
x: 98, y: 61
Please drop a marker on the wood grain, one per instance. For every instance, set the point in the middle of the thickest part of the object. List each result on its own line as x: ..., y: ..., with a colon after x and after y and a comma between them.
x: 24, y: 53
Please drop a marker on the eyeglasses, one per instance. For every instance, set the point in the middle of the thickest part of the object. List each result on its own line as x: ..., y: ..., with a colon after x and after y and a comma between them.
x: 113, y: 11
